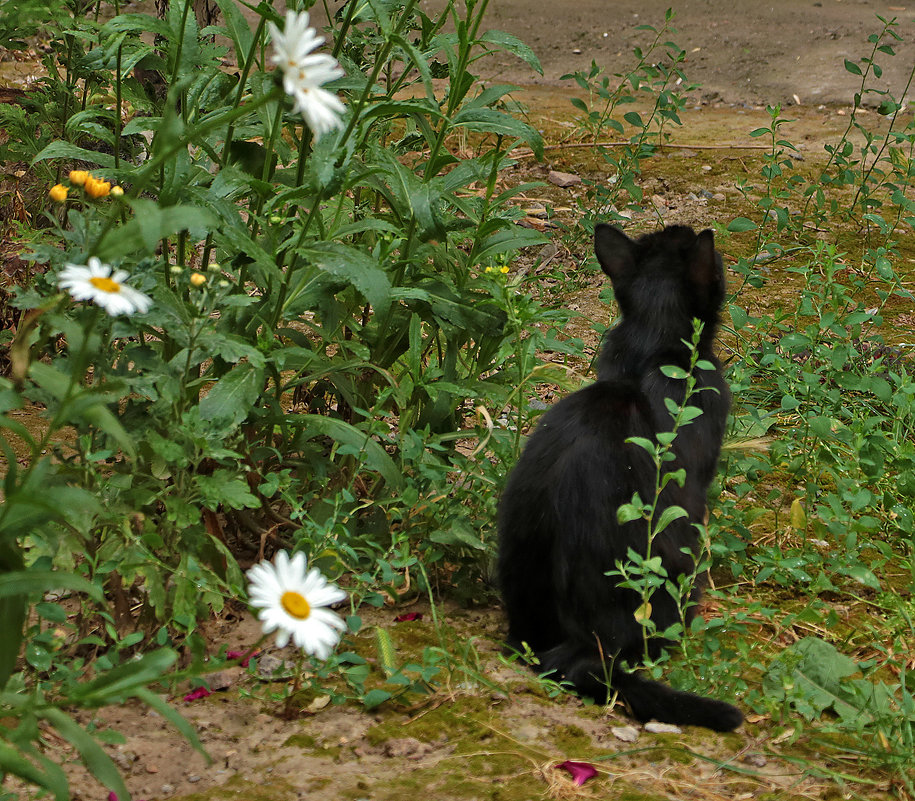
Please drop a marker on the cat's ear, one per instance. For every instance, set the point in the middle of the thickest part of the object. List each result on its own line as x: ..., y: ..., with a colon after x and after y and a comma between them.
x: 614, y: 250
x: 703, y: 260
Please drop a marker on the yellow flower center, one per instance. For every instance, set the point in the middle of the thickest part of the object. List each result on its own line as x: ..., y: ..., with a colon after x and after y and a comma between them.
x: 295, y: 604
x: 105, y: 284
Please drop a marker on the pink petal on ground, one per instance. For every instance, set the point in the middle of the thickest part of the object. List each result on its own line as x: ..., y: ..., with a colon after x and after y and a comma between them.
x: 200, y: 692
x: 409, y: 616
x: 240, y: 654
x: 581, y: 771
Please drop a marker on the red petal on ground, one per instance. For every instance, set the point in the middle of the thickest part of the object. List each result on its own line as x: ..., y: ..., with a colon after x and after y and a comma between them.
x: 408, y: 617
x: 200, y: 692
x: 581, y: 771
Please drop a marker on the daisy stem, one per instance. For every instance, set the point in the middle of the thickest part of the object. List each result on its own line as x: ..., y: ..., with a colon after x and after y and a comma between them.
x: 243, y: 79
x: 296, y: 685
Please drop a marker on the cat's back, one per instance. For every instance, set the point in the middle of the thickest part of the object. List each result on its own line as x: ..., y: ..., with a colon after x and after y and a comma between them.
x: 583, y: 435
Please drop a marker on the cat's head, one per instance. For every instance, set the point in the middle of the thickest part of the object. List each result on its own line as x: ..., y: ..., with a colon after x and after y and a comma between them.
x: 674, y: 271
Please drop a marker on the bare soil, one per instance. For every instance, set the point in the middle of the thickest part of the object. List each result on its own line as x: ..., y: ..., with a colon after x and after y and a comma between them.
x: 777, y: 51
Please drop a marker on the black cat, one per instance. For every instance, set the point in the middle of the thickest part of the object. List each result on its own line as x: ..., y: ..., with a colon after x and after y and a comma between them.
x: 558, y: 528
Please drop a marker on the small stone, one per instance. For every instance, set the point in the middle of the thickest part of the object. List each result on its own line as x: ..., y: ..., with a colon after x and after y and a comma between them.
x: 706, y: 168
x: 657, y: 200
x: 563, y: 179
x: 193, y: 778
x: 223, y: 679
x: 150, y: 768
x: 719, y: 196
x: 272, y: 667
x: 406, y: 748
x: 662, y: 728
x: 628, y: 734
x: 167, y: 789
x: 756, y: 760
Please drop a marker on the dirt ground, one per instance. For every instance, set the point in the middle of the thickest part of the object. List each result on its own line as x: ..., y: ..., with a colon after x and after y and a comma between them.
x: 739, y: 51
x: 496, y: 735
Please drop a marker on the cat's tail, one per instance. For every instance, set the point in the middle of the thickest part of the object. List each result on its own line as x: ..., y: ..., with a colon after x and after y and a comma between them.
x: 652, y: 700
x: 646, y: 699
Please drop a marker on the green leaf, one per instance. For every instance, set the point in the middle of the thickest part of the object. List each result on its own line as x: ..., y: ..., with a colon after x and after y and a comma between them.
x: 35, y: 582
x: 668, y: 516
x: 644, y: 443
x: 374, y: 456
x: 633, y: 118
x: 672, y: 371
x: 49, y: 776
x: 152, y: 223
x: 489, y: 120
x: 223, y: 488
x: 514, y: 46
x: 100, y: 416
x: 124, y: 680
x: 65, y: 150
x: 812, y: 671
x: 232, y: 397
x: 741, y: 224
x: 862, y: 575
x: 851, y: 67
x: 12, y: 613
x: 156, y: 703
x: 355, y: 267
x: 238, y: 29
x: 375, y: 697
x: 739, y: 317
x: 92, y: 754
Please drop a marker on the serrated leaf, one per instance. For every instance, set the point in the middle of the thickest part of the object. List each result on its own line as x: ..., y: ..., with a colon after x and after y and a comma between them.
x: 225, y: 489
x: 151, y: 224
x: 813, y: 671
x: 355, y: 267
x: 231, y: 398
x: 489, y: 120
x: 374, y: 456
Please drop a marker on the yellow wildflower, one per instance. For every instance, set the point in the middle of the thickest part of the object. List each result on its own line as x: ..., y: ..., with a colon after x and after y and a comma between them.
x: 58, y: 193
x: 504, y: 269
x: 78, y: 177
x: 96, y: 187
x: 198, y: 279
x: 117, y: 191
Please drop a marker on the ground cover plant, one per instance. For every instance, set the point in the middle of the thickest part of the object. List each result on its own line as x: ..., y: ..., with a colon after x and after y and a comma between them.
x: 261, y: 317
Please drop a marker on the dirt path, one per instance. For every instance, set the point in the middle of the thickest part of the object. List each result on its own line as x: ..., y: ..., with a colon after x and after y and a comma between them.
x: 738, y: 50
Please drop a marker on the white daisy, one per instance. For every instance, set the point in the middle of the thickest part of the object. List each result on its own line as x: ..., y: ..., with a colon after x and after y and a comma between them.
x: 304, y: 73
x: 291, y: 601
x: 97, y: 283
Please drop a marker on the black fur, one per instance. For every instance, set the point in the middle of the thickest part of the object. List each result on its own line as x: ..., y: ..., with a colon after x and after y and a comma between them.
x: 558, y: 529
